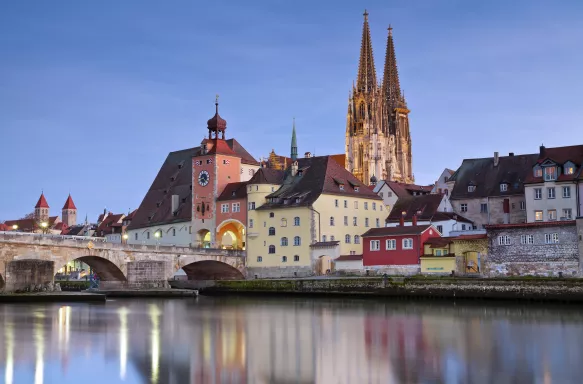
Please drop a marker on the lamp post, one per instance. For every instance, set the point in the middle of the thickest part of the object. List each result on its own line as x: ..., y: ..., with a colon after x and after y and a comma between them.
x: 125, y: 237
x: 14, y: 227
x: 44, y: 225
x: 157, y: 236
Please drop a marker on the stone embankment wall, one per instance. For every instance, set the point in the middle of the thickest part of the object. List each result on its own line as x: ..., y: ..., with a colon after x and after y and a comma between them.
x: 501, y: 289
x: 29, y: 276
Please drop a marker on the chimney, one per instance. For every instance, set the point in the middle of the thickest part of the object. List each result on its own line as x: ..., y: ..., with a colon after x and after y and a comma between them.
x: 511, y: 154
x: 496, y: 159
x: 175, y: 203
x: 506, y: 206
x: 542, y: 150
x: 402, y: 219
x: 307, y: 155
x: 414, y: 219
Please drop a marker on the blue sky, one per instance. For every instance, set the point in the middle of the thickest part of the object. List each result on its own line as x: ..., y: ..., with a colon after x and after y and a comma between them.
x: 93, y: 95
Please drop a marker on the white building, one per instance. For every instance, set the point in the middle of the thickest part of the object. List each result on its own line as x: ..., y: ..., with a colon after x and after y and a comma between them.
x: 391, y: 191
x: 441, y: 188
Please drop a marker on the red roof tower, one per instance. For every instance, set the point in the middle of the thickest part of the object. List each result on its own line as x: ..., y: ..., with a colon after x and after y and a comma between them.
x: 69, y: 204
x: 42, y: 202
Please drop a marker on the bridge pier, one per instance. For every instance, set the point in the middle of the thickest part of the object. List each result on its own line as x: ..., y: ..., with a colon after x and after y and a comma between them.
x: 28, y: 275
x: 147, y: 274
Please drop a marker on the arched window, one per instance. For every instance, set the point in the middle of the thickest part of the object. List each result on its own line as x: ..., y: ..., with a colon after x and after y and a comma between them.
x: 356, y: 239
x: 284, y: 241
x: 297, y: 240
x: 296, y: 221
x: 271, y: 231
x: 271, y: 214
x: 362, y: 110
x: 173, y: 231
x: 347, y: 239
x: 284, y: 259
x: 259, y: 259
x: 296, y: 258
x: 331, y: 221
x: 272, y: 249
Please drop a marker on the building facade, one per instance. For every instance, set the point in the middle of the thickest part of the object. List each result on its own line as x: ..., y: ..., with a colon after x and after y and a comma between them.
x: 42, y: 222
x: 378, y: 141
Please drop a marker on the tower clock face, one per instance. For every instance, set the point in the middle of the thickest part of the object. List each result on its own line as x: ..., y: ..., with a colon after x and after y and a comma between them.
x: 203, y: 178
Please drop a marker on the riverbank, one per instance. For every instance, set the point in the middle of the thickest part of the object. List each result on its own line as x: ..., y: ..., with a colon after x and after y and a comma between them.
x: 51, y: 297
x: 150, y: 293
x: 522, y: 289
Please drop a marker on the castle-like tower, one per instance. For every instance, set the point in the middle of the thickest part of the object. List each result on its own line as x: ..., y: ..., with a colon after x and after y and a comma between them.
x: 69, y: 212
x: 378, y: 142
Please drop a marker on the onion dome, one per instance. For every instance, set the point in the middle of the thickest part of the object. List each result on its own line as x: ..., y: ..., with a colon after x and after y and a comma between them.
x: 217, y: 124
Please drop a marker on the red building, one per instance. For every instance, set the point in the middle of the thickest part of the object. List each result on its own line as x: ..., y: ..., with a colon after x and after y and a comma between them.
x: 396, y: 246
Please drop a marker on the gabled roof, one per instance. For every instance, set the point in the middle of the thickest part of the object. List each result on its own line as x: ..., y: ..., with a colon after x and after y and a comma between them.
x: 29, y: 225
x: 487, y: 178
x: 111, y: 221
x: 349, y: 258
x: 69, y: 204
x: 234, y: 191
x: 404, y: 189
x: 267, y: 176
x: 559, y: 156
x: 42, y: 202
x: 397, y: 231
x: 339, y: 158
x: 221, y: 147
x: 130, y: 215
x: 424, y: 206
x: 316, y: 176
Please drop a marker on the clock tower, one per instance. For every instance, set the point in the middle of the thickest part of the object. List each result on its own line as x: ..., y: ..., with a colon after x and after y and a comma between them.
x: 215, y: 166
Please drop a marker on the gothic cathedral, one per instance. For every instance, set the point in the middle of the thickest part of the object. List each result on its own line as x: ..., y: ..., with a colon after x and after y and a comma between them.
x: 378, y: 143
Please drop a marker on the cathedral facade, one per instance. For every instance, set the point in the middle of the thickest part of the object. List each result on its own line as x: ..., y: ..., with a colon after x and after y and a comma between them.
x: 378, y: 142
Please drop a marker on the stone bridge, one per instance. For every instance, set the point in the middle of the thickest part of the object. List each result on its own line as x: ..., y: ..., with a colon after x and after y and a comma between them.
x: 28, y: 259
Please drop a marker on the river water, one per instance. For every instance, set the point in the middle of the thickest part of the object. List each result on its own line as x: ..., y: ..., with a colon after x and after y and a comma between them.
x: 289, y: 340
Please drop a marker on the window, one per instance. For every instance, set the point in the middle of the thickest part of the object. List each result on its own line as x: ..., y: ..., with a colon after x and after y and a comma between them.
x: 523, y: 205
x: 538, y: 215
x: 356, y: 205
x: 437, y: 252
x: 259, y: 259
x: 407, y: 243
x: 347, y: 239
x: 538, y: 171
x: 296, y: 221
x: 148, y: 235
x: 463, y: 227
x: 284, y: 259
x: 224, y: 208
x: 250, y: 223
x: 484, y: 208
x: 550, y: 173
x: 271, y: 231
x: 567, y: 215
x: 341, y: 186
x: 366, y: 205
x: 381, y: 207
x: 375, y: 245
x: 271, y: 214
x: 331, y: 221
x: 356, y: 239
x: 345, y: 220
x: 566, y: 192
x: 552, y: 214
x: 381, y: 194
x: 284, y: 241
x: 374, y: 206
x: 236, y: 207
x: 471, y: 188
x: 464, y: 207
x: 354, y: 221
x: 378, y: 222
x: 136, y: 236
x: 551, y: 238
x: 190, y: 230
x: 336, y: 203
x: 526, y: 239
x: 503, y: 240
x: 298, y: 240
x: 324, y: 238
x: 272, y: 249
x: 440, y: 229
x: 173, y: 231
x: 569, y: 168
x: 503, y: 187
x: 332, y: 238
x: 366, y: 222
x: 538, y: 193
x: 355, y: 189
x: 296, y: 258
x: 250, y: 172
x: 391, y: 244
x: 551, y: 192
x: 251, y: 206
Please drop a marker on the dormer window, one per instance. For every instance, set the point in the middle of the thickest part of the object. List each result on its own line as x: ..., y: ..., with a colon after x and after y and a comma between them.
x: 300, y: 172
x: 471, y: 188
x: 233, y: 193
x: 569, y: 168
x: 550, y: 173
x: 356, y: 189
x: 503, y: 187
x: 297, y: 200
x: 341, y: 186
x: 538, y: 171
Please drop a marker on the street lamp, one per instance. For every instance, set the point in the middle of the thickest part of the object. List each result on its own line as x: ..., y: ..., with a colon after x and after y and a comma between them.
x: 14, y: 227
x: 125, y: 236
x: 157, y: 234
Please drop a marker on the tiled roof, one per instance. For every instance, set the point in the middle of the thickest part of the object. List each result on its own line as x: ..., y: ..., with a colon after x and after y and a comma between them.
x: 221, y: 147
x: 444, y: 216
x: 396, y: 231
x: 267, y: 176
x: 439, y: 242
x: 472, y: 237
x: 246, y: 158
x: 69, y: 204
x: 110, y: 221
x: 42, y: 202
x: 130, y: 215
x: 348, y: 258
x: 233, y: 191
x: 559, y: 155
x: 487, y: 178
x: 533, y: 225
x: 316, y: 175
x: 28, y: 225
x: 325, y: 244
x: 427, y: 205
x: 339, y: 158
x: 404, y: 190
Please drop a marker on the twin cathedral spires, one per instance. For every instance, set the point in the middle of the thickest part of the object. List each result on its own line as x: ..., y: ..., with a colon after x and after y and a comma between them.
x: 378, y: 142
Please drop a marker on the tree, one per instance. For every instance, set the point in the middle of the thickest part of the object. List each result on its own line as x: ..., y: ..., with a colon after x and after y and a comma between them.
x: 28, y: 216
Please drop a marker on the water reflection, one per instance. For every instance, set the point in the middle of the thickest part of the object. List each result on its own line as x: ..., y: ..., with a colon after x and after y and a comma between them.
x: 209, y: 341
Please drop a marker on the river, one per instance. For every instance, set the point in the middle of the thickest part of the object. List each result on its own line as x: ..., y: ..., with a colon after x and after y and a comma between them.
x: 289, y: 340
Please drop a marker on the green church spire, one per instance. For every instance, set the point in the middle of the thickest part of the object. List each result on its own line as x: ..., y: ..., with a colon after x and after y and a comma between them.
x: 294, y: 143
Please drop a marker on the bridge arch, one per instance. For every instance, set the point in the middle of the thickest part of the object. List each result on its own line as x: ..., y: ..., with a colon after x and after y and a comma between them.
x: 212, y: 270
x: 105, y: 269
x: 2, y: 282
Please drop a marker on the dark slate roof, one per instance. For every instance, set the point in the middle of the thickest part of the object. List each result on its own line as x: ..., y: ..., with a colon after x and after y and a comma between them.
x: 427, y: 204
x: 487, y: 178
x: 316, y: 175
x: 174, y: 178
x: 404, y: 190
x: 396, y: 231
x: 559, y: 156
x: 233, y: 191
x: 246, y: 158
x: 267, y: 176
x: 348, y: 258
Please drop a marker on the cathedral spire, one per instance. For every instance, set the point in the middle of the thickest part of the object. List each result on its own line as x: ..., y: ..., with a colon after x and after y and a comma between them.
x: 391, y: 86
x: 367, y: 77
x: 294, y: 143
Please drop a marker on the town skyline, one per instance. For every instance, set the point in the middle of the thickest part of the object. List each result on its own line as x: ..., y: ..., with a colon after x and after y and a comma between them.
x: 105, y: 108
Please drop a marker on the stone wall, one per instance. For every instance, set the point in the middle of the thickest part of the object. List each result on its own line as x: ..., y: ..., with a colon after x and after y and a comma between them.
x: 580, y: 241
x: 147, y: 274
x: 28, y: 275
x: 538, y: 259
x: 394, y: 270
x: 278, y: 272
x: 495, y: 214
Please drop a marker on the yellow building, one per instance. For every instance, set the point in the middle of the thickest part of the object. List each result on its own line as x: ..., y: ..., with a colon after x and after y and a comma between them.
x: 301, y: 219
x: 462, y: 254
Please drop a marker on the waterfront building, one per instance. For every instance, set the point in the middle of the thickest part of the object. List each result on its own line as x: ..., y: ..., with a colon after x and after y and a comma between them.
x: 480, y: 187
x: 300, y: 221
x: 378, y: 141
x: 391, y: 191
x: 440, y: 187
x: 182, y: 207
x: 396, y: 250
x: 111, y: 226
x: 554, y: 186
x: 42, y: 222
x: 464, y: 254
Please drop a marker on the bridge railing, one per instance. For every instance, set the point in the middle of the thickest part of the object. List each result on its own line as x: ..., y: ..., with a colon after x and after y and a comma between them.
x: 49, y: 235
